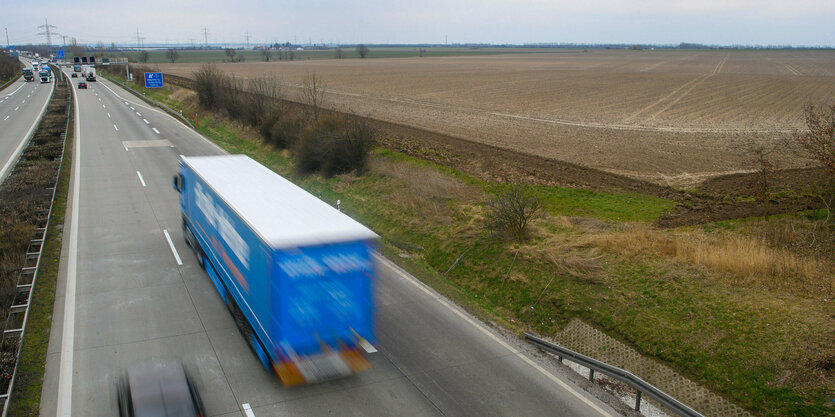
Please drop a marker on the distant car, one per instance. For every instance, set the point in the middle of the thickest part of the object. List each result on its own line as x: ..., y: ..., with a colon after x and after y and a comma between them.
x: 74, y: 75
x: 158, y: 389
x: 82, y: 85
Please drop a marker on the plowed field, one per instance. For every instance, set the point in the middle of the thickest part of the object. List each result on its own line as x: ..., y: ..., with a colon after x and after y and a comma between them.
x: 669, y: 117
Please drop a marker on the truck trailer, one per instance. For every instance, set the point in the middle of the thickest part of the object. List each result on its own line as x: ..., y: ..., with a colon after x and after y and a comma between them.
x: 297, y: 275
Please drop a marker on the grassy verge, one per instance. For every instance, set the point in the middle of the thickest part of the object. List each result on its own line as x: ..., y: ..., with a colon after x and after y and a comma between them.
x: 25, y: 399
x: 755, y: 335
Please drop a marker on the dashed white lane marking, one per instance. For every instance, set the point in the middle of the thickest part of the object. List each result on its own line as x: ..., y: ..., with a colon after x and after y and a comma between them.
x: 155, y: 130
x: 139, y: 174
x: 126, y: 103
x: 146, y: 121
x: 248, y: 410
x: 131, y: 107
x: 16, y: 108
x: 103, y: 106
x: 173, y: 249
x: 117, y: 129
x: 108, y: 115
x: 138, y: 114
x: 7, y: 118
x: 23, y: 102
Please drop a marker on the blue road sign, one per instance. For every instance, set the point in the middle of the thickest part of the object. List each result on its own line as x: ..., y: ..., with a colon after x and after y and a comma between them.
x: 11, y: 47
x: 60, y: 54
x: 153, y: 79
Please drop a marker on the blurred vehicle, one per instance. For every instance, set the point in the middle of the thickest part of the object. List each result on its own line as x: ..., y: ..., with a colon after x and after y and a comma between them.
x: 74, y: 75
x: 91, y: 74
x: 297, y: 274
x: 76, y: 68
x: 44, y: 75
x: 28, y: 74
x: 158, y: 389
x: 82, y: 85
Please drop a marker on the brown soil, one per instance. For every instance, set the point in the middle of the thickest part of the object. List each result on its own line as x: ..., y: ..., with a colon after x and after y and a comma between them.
x: 719, y: 198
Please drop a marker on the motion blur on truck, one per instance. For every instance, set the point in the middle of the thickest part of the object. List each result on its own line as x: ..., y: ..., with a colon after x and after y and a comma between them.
x: 28, y: 74
x: 297, y: 274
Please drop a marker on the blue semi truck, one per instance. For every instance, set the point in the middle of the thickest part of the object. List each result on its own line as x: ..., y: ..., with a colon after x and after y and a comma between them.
x: 297, y: 275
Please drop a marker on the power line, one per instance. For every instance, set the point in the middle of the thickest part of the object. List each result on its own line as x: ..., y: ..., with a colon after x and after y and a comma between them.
x: 205, y: 36
x: 247, y: 40
x: 46, y: 31
x: 139, y: 39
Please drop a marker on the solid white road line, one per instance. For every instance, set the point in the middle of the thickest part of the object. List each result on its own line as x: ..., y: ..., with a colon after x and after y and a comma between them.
x: 146, y: 121
x: 117, y: 129
x: 65, y: 374
x: 173, y: 249
x: 155, y: 130
x: 142, y: 180
x: 248, y: 410
x: 490, y: 334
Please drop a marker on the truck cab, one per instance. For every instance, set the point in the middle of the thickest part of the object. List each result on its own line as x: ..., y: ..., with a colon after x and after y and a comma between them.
x: 28, y: 74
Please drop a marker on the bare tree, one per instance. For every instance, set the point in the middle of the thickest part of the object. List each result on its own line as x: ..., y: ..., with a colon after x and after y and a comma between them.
x: 100, y: 49
x: 264, y: 92
x: 819, y: 142
x: 266, y: 54
x: 761, y: 183
x: 339, y: 53
x: 421, y: 52
x: 172, y: 54
x: 143, y: 56
x: 230, y: 54
x: 362, y: 50
x: 510, y: 211
x: 313, y: 94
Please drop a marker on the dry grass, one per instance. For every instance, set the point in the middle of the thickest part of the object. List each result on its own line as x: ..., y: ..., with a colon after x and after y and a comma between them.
x: 425, y: 191
x: 746, y: 260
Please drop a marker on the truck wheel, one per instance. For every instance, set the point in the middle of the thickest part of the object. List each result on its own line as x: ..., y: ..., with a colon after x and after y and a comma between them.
x: 248, y: 334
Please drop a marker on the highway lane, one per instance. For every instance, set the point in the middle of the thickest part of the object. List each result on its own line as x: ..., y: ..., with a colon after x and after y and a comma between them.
x: 21, y: 106
x: 134, y: 302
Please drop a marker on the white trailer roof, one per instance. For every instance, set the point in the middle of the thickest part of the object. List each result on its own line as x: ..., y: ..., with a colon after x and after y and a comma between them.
x: 280, y: 212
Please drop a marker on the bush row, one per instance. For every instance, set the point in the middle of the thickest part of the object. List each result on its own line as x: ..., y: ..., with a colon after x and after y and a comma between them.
x: 330, y: 144
x: 9, y: 67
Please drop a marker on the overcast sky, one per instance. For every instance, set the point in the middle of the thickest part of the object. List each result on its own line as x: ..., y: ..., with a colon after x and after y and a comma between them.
x: 725, y: 22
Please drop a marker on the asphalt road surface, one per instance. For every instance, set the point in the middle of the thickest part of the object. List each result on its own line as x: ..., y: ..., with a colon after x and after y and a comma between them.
x: 123, y: 298
x: 21, y: 106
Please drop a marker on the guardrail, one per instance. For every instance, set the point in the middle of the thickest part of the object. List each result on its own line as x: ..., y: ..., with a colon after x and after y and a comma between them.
x: 29, y: 273
x: 7, y: 83
x: 624, y: 376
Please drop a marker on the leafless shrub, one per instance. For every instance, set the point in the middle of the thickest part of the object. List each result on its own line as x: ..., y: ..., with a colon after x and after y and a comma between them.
x: 511, y: 210
x: 339, y: 53
x: 313, y: 94
x: 262, y: 94
x: 208, y: 81
x: 266, y: 55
